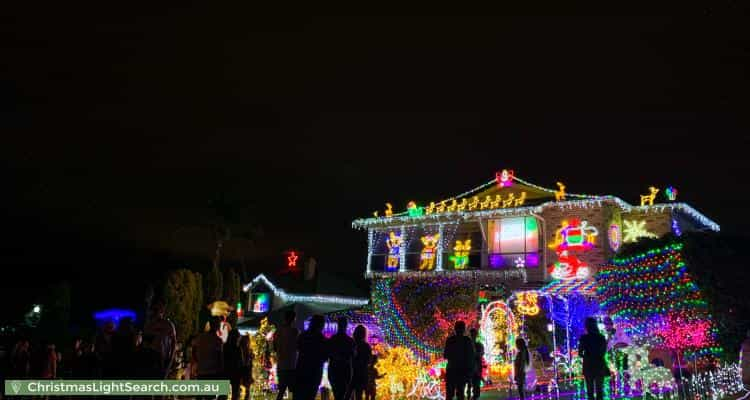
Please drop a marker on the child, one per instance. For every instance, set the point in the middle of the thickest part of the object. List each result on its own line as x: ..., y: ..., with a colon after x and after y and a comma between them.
x: 372, y: 377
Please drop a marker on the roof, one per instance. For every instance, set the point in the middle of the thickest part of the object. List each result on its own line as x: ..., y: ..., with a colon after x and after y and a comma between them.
x: 536, y: 199
x: 320, y: 299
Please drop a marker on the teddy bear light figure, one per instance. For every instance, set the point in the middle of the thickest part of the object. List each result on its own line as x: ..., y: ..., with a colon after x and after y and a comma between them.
x: 427, y: 257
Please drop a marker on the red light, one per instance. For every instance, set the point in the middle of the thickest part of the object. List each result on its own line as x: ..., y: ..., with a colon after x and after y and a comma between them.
x: 292, y: 259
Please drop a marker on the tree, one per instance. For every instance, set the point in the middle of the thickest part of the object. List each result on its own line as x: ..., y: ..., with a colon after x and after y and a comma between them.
x: 183, y: 295
x: 214, y: 284
x: 231, y: 287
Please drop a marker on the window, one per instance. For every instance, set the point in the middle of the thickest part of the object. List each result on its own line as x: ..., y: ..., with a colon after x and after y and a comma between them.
x: 513, y: 242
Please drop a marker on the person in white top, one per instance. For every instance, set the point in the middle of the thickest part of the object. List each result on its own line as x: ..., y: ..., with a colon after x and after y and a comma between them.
x: 285, y: 344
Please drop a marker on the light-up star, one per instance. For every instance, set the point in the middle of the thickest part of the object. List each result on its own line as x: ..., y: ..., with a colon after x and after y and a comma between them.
x: 635, y: 230
x: 292, y: 259
x: 520, y: 262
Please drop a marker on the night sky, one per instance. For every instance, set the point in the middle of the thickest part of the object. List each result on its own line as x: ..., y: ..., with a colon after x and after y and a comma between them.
x: 123, y: 126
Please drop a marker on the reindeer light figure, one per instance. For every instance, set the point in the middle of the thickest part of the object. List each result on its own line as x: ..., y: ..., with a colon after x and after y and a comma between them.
x: 560, y: 192
x: 649, y: 198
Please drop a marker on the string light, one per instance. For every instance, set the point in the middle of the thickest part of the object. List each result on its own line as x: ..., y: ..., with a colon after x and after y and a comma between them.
x: 653, y: 298
x: 295, y: 298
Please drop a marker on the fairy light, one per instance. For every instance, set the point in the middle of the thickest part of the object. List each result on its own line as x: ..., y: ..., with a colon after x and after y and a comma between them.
x: 653, y: 298
x: 292, y: 298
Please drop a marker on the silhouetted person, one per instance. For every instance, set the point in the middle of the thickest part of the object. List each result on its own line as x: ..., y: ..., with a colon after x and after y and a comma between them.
x: 341, y: 352
x: 123, y: 349
x: 285, y: 344
x: 312, y: 354
x: 519, y: 366
x: 233, y: 361
x: 165, y: 335
x: 459, y: 351
x: 476, y: 376
x: 20, y: 360
x: 360, y: 364
x: 592, y: 348
x: 147, y: 360
x: 209, y: 353
x: 103, y: 346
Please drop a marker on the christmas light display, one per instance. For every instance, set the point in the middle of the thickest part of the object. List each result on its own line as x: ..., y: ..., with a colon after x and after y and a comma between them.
x: 635, y: 230
x: 504, y: 178
x: 292, y: 260
x: 649, y: 198
x: 413, y: 210
x: 560, y: 192
x: 614, y: 234
x: 460, y: 258
x: 671, y: 193
x: 574, y: 234
x: 676, y: 227
x: 427, y: 256
x: 261, y: 302
x: 399, y: 369
x: 393, y: 243
x: 652, y: 297
x: 388, y: 209
x: 526, y: 303
x: 498, y: 330
x: 264, y: 379
x: 295, y: 298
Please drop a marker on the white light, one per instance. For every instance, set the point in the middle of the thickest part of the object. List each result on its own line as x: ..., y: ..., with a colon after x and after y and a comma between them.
x: 550, y: 327
x: 292, y: 298
x: 37, y: 309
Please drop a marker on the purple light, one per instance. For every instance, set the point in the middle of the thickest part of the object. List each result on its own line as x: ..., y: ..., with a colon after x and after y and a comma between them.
x: 496, y: 260
x: 532, y: 260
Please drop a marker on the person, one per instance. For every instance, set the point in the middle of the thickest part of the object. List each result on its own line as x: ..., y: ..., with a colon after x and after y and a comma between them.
x: 372, y: 376
x: 311, y: 355
x: 476, y: 376
x: 165, y: 336
x: 341, y: 352
x: 285, y: 344
x: 147, y: 361
x: 90, y: 364
x: 208, y: 352
x: 20, y: 360
x: 103, y: 346
x: 123, y: 349
x: 49, y: 366
x: 592, y: 348
x: 360, y: 364
x: 233, y: 361
x: 246, y: 368
x: 459, y: 351
x: 519, y: 366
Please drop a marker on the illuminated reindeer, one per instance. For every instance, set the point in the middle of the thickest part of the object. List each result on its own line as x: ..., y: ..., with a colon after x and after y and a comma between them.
x: 649, y: 198
x: 560, y: 193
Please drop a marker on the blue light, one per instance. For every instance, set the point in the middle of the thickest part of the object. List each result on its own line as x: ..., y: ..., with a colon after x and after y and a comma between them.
x: 114, y: 315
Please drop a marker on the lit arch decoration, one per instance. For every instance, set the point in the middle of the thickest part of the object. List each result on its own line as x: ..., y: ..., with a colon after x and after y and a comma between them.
x: 486, y: 326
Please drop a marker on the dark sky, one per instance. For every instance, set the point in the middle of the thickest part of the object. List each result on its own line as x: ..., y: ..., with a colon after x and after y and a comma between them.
x: 122, y: 125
